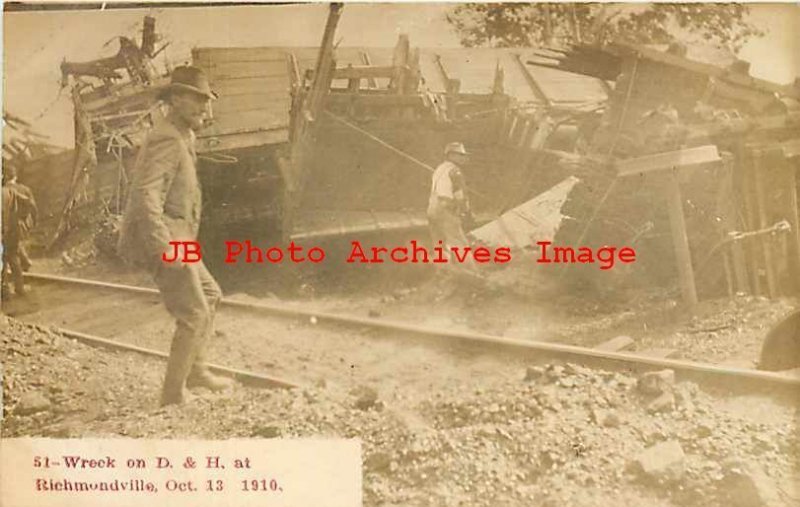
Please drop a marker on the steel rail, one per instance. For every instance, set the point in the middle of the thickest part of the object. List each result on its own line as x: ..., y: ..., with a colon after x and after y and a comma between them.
x: 736, y: 379
x: 242, y: 376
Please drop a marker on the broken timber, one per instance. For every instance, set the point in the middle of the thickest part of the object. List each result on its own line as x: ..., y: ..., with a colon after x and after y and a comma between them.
x: 304, y: 122
x: 672, y: 161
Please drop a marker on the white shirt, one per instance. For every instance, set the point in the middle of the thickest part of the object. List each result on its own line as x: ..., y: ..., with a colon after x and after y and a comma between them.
x: 442, y: 184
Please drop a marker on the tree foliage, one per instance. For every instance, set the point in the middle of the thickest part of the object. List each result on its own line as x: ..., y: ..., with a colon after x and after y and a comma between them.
x: 524, y: 24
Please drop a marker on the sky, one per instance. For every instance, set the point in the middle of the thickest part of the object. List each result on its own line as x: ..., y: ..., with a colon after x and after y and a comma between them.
x: 35, y: 43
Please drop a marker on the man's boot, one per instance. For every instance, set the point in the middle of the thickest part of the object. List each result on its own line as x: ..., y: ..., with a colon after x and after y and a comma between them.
x: 201, y: 376
x: 181, y: 358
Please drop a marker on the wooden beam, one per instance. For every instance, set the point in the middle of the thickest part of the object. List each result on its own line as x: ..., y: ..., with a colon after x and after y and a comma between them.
x: 372, y: 100
x: 623, y: 48
x: 537, y: 90
x: 295, y: 78
x: 365, y: 59
x: 228, y: 142
x: 726, y: 209
x: 440, y: 66
x: 400, y: 64
x: 747, y: 190
x: 766, y: 242
x: 364, y: 72
x: 789, y: 169
x: 668, y: 160
x: 303, y: 124
x: 680, y: 240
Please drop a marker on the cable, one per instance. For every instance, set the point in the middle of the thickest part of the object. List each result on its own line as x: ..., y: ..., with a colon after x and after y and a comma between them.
x: 416, y: 161
x: 381, y: 141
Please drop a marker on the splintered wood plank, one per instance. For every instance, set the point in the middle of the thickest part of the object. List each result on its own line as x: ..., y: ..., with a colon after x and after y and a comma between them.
x: 621, y: 342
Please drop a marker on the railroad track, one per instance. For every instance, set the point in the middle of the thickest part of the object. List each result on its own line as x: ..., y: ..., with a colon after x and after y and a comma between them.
x: 297, y: 345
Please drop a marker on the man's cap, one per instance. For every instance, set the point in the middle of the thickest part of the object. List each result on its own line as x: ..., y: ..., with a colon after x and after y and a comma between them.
x: 455, y: 148
x: 189, y: 78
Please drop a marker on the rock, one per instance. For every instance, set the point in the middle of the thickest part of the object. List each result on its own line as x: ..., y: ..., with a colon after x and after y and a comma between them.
x: 367, y: 397
x: 749, y: 486
x: 533, y: 373
x: 656, y: 382
x: 609, y: 419
x: 378, y: 462
x: 374, y: 314
x: 310, y: 397
x: 662, y: 404
x: 269, y: 431
x: 554, y: 372
x: 704, y: 429
x: 661, y: 462
x: 32, y: 403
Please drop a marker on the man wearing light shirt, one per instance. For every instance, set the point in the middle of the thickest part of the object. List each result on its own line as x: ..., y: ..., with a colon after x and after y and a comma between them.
x: 448, y: 205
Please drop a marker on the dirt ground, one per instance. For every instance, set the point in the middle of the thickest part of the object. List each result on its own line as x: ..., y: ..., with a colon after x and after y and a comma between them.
x: 439, y: 430
x: 524, y: 302
x: 553, y: 435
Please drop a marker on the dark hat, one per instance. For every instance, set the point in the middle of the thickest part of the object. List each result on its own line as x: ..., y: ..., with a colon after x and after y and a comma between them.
x: 188, y: 78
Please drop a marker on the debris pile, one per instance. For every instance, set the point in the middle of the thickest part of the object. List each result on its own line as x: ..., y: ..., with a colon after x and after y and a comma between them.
x: 559, y: 435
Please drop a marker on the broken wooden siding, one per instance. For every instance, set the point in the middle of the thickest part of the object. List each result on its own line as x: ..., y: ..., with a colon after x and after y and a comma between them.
x: 255, y: 84
x: 254, y: 89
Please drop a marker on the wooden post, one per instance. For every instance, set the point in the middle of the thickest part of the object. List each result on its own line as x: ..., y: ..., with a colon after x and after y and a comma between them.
x: 729, y: 282
x: 726, y: 209
x: 680, y: 240
x: 500, y: 103
x: 453, y: 89
x: 306, y: 119
x: 670, y: 162
x: 365, y: 59
x: 526, y: 132
x: 548, y: 25
x: 790, y: 170
x: 766, y: 242
x: 399, y: 62
x: 782, y: 172
x: 746, y: 186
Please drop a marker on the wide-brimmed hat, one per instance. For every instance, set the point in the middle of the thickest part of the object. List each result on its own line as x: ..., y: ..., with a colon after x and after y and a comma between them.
x: 188, y: 78
x: 455, y: 148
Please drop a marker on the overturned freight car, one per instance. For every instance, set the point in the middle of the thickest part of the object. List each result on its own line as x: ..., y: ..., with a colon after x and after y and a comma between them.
x: 384, y: 116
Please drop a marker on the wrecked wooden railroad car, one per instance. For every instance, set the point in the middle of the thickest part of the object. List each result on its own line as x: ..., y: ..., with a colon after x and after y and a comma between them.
x: 316, y: 143
x: 387, y: 114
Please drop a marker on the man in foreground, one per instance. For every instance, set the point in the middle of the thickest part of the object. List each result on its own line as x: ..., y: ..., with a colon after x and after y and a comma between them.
x: 164, y: 205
